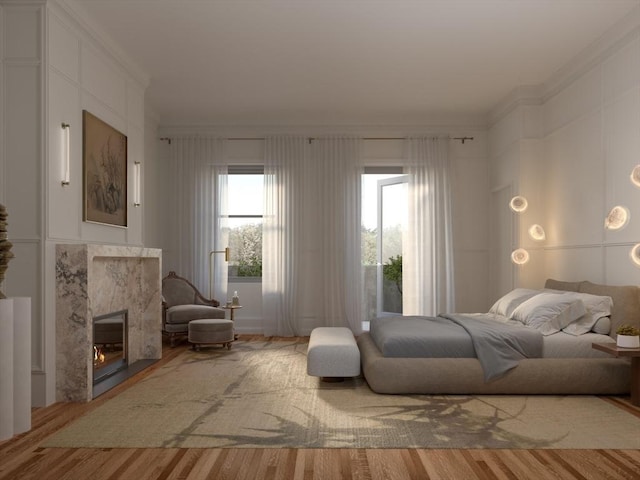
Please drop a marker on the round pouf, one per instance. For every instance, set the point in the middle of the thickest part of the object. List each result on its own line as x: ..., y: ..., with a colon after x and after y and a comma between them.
x: 211, y: 331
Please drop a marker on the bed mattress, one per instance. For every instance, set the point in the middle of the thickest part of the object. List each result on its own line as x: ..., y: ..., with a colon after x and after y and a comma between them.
x: 416, y: 340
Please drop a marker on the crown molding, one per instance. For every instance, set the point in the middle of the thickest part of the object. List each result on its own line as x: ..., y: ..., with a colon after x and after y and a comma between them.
x: 97, y: 36
x: 519, y: 96
x: 595, y: 54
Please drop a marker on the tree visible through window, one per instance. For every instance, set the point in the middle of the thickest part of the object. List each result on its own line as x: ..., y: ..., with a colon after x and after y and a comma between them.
x: 245, y: 193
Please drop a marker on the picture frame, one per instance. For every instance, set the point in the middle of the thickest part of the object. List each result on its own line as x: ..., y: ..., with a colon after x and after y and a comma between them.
x: 104, y: 165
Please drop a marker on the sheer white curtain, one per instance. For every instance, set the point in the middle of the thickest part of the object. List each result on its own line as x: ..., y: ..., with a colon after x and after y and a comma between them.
x: 219, y: 273
x: 336, y: 169
x: 427, y: 267
x: 311, y: 236
x: 283, y: 233
x: 194, y: 165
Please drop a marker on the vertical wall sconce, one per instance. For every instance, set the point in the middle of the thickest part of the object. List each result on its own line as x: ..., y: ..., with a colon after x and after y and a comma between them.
x: 136, y: 184
x: 65, y: 154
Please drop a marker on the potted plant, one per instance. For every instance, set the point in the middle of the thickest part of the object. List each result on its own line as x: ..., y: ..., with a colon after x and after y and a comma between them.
x: 628, y: 336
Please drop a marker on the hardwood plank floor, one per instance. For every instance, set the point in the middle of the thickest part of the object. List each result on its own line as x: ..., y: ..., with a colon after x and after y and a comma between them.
x: 22, y: 458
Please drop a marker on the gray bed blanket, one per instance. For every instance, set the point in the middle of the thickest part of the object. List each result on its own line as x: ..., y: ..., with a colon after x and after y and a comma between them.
x: 498, y: 346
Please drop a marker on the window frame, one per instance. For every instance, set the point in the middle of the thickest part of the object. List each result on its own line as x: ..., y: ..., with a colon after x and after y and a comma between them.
x: 254, y: 169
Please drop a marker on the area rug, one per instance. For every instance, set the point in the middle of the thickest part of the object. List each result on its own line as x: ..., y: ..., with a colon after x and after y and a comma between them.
x: 258, y: 395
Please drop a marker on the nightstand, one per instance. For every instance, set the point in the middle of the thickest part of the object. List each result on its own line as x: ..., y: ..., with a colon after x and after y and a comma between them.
x: 634, y: 353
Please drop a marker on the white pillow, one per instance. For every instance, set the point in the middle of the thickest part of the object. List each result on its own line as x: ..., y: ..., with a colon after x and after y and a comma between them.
x: 508, y: 303
x: 597, y: 307
x: 602, y: 326
x: 549, y: 312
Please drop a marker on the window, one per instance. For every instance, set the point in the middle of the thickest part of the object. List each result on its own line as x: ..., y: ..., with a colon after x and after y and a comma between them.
x: 245, y: 210
x: 384, y: 207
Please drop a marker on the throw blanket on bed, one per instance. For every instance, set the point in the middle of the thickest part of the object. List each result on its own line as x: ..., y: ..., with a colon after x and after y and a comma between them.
x: 498, y: 346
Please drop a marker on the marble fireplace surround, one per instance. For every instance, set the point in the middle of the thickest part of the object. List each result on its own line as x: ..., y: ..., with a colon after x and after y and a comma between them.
x: 94, y: 280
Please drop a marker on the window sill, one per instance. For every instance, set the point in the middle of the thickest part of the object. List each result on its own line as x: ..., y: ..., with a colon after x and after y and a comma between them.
x: 244, y: 280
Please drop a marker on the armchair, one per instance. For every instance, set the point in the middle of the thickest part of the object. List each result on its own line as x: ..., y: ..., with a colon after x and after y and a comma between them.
x: 181, y: 303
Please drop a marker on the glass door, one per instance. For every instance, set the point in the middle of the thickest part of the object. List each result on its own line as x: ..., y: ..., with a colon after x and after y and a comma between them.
x: 391, y: 228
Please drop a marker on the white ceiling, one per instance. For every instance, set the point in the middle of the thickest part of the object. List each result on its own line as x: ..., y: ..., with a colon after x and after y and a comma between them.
x: 345, y: 62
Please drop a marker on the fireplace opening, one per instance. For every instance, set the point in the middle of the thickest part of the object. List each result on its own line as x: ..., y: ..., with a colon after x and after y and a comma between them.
x: 109, y: 344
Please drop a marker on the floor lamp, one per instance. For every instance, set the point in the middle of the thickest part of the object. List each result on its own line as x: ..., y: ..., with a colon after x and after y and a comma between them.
x: 227, y: 253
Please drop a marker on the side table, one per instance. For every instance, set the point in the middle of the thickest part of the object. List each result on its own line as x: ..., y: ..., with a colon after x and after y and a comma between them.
x: 232, y: 308
x: 634, y: 353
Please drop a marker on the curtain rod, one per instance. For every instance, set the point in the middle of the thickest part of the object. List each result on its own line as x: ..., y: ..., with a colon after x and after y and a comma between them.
x: 462, y: 139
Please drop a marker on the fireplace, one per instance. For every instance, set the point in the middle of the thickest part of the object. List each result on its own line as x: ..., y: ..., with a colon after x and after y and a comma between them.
x: 109, y: 344
x: 92, y: 280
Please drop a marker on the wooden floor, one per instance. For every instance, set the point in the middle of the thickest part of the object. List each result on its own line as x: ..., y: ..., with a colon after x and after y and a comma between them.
x: 23, y: 458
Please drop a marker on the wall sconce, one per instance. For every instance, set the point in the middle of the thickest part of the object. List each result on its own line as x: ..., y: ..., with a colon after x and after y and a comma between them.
x: 136, y: 184
x: 518, y: 204
x: 227, y: 255
x: 635, y: 176
x: 635, y: 254
x: 520, y: 256
x: 65, y: 154
x: 617, y: 218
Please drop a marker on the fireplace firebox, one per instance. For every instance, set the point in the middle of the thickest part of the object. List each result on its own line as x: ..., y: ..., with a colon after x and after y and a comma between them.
x: 109, y: 344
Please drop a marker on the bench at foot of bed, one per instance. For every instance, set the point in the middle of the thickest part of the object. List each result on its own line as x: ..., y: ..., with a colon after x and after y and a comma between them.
x: 333, y: 354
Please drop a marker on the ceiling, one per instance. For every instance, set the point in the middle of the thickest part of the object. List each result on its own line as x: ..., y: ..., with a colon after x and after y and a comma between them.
x: 341, y: 62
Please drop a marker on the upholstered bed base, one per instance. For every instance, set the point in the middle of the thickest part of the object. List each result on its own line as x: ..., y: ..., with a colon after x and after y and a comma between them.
x: 545, y: 376
x: 560, y: 376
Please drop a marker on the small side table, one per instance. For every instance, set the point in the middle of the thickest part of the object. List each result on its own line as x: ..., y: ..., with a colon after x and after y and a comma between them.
x: 231, y: 309
x: 634, y: 353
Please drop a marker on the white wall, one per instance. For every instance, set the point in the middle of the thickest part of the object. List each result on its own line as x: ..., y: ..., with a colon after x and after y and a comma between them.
x: 154, y: 224
x: 515, y: 153
x: 21, y: 157
x: 53, y: 67
x: 571, y: 155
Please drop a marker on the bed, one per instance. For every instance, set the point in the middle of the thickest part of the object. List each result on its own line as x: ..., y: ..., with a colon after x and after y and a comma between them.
x: 563, y: 363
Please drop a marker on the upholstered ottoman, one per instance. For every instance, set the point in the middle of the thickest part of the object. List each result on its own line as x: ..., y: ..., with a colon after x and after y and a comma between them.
x: 210, y: 331
x: 333, y: 354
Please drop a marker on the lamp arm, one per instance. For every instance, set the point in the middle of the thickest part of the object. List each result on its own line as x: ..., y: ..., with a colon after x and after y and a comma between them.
x: 227, y: 255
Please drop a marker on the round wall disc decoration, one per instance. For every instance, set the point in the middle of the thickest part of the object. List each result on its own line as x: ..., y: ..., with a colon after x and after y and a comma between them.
x: 635, y: 176
x: 635, y: 254
x: 618, y: 218
x: 536, y: 232
x: 520, y: 256
x: 518, y: 204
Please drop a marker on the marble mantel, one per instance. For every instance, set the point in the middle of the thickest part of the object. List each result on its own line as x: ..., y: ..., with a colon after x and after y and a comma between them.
x: 94, y: 280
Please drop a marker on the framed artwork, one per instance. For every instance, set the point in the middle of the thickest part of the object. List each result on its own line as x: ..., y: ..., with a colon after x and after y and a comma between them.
x: 104, y: 163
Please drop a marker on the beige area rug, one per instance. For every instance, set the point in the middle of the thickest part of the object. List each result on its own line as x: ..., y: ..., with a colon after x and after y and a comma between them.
x: 259, y: 395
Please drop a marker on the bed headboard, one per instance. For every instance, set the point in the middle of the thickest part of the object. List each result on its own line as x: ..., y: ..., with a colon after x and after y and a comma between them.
x: 626, y: 299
